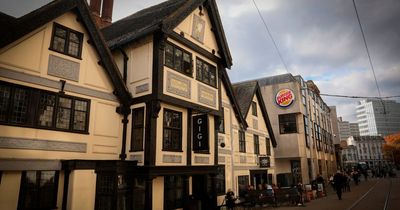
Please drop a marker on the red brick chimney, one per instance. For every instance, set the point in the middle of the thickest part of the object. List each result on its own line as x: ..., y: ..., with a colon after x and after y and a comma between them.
x: 95, y: 6
x: 106, y: 13
x: 103, y: 19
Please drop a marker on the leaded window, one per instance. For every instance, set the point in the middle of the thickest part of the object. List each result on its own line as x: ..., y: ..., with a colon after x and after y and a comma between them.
x: 268, y: 145
x: 221, y: 123
x: 256, y: 145
x: 242, y: 141
x: 137, y: 129
x: 172, y: 134
x: 66, y: 41
x: 254, y: 108
x: 173, y: 192
x: 206, y: 73
x: 243, y: 182
x: 220, y: 180
x: 30, y: 107
x: 105, y: 191
x: 38, y: 190
x: 178, y: 59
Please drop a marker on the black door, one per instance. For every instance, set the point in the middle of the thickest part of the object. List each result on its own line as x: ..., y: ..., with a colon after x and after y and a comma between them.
x: 201, y: 190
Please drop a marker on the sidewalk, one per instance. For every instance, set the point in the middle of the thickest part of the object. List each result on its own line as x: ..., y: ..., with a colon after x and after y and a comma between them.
x: 331, y: 202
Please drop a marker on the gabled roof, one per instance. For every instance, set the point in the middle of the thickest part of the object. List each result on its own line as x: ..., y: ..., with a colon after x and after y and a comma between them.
x: 244, y: 93
x: 165, y: 17
x: 37, y: 18
x: 6, y: 21
x: 231, y: 95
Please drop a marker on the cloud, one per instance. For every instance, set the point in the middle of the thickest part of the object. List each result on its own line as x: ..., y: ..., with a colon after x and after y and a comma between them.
x: 319, y: 40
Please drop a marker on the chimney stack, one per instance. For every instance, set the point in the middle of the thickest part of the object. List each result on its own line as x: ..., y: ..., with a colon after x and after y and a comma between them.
x: 106, y: 13
x: 106, y: 6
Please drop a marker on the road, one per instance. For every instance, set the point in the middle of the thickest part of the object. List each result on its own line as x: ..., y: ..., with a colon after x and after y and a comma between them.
x: 374, y: 194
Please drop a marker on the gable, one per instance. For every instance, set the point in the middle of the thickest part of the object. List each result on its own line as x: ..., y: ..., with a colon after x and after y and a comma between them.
x: 34, y: 20
x: 31, y: 54
x: 197, y: 28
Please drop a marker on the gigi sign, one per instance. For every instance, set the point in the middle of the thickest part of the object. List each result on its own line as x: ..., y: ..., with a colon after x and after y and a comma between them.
x: 284, y: 98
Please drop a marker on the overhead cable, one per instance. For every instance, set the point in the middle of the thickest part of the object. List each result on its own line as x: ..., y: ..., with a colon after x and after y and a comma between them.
x: 372, y: 97
x: 270, y: 35
x: 366, y: 47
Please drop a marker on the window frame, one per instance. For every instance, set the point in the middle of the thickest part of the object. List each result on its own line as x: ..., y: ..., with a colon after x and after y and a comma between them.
x: 137, y: 126
x: 306, y: 131
x: 221, y: 122
x: 254, y: 108
x: 178, y: 149
x: 182, y: 69
x: 220, y: 180
x: 34, y: 106
x: 37, y: 201
x: 256, y: 140
x: 211, y: 68
x: 242, y: 141
x: 67, y: 41
x: 268, y: 146
x: 173, y: 186
x: 242, y: 180
x: 288, y: 122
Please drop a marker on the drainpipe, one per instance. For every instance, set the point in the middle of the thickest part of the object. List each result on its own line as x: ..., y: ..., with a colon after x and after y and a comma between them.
x: 125, y: 111
x: 126, y: 58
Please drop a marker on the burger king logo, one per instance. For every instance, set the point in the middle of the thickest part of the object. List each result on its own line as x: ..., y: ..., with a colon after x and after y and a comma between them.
x: 284, y: 97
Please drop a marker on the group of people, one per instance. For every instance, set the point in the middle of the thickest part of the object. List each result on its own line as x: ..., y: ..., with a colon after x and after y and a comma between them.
x: 265, y: 190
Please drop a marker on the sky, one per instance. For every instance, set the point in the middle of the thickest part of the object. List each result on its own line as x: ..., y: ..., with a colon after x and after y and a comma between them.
x: 318, y: 39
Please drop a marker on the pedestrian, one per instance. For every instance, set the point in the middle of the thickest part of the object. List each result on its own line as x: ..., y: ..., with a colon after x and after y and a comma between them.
x: 339, y: 180
x: 321, y: 180
x: 230, y: 199
x: 300, y: 191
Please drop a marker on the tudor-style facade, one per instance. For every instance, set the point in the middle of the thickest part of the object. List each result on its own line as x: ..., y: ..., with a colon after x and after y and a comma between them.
x: 253, y: 151
x: 59, y: 92
x: 172, y: 56
x: 140, y: 119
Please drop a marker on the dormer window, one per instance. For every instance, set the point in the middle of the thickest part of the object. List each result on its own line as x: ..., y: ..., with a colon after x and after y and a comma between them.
x: 178, y: 59
x: 66, y: 41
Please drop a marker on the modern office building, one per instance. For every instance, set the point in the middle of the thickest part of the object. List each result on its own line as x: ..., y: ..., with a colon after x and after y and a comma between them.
x: 347, y: 129
x: 302, y: 127
x: 378, y: 117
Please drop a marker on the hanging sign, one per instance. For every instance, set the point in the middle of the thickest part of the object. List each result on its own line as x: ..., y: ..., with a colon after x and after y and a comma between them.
x: 200, y: 132
x: 284, y: 97
x: 265, y: 162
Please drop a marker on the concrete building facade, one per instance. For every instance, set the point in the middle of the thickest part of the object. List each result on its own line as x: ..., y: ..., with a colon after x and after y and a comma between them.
x: 347, y: 129
x: 302, y: 126
x: 364, y: 149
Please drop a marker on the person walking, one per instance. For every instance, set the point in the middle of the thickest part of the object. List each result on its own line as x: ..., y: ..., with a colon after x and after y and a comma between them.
x: 300, y: 191
x: 230, y: 199
x: 339, y: 180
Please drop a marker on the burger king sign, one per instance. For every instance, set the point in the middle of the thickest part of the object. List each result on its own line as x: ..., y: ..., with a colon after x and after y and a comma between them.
x: 284, y: 97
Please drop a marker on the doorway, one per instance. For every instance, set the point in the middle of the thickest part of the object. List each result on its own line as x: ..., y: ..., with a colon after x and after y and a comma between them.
x: 201, y: 191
